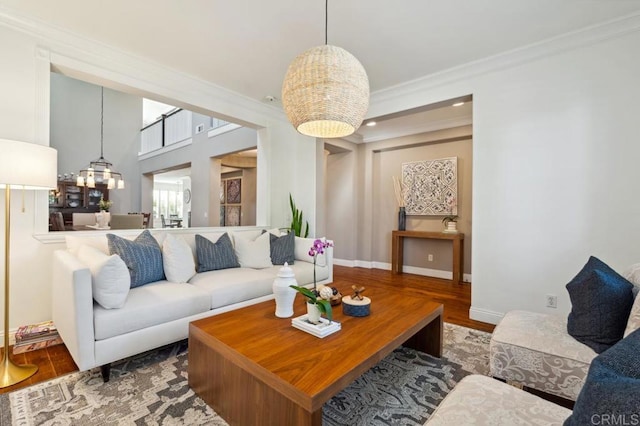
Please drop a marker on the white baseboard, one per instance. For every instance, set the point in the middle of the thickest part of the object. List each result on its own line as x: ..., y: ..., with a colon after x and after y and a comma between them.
x: 426, y: 272
x: 12, y: 336
x: 343, y: 262
x: 485, y: 315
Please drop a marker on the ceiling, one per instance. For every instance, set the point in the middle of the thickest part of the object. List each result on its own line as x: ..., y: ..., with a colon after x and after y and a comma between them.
x: 246, y: 45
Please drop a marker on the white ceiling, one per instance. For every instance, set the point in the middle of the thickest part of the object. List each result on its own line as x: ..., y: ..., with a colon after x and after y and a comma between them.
x: 246, y: 45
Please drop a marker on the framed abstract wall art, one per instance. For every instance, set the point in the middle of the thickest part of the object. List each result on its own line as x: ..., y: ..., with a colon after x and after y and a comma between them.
x: 431, y: 187
x: 234, y: 195
x: 232, y: 216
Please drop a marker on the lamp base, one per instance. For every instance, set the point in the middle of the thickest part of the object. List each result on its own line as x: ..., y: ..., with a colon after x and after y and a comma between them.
x: 11, y: 373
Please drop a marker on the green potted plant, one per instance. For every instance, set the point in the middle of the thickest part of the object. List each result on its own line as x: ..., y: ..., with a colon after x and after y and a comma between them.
x: 296, y: 220
x: 104, y: 205
x: 315, y: 304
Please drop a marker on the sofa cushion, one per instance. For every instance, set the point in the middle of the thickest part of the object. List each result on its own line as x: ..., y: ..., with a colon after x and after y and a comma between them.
x: 142, y: 256
x: 535, y: 350
x: 150, y: 305
x: 481, y: 400
x: 282, y: 248
x: 228, y: 286
x: 177, y: 259
x: 612, y: 387
x: 601, y: 300
x: 215, y: 255
x: 110, y: 279
x: 253, y: 253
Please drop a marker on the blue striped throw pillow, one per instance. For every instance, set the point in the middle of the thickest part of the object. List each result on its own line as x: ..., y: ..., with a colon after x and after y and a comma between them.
x: 283, y: 249
x: 219, y: 255
x: 142, y: 256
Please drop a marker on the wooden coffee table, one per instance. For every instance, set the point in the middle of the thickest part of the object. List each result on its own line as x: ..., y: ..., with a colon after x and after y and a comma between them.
x: 253, y: 368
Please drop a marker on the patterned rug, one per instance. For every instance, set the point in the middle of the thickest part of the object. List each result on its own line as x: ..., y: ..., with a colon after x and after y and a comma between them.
x: 151, y: 389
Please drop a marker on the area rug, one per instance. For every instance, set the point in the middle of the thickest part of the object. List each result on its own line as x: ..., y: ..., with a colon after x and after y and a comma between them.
x: 151, y: 389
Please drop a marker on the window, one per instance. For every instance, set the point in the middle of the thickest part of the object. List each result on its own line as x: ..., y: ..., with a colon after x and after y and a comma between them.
x: 167, y: 202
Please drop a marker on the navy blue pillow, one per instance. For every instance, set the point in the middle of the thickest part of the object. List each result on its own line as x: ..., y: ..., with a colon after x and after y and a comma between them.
x: 219, y: 255
x: 601, y: 301
x: 142, y: 256
x: 611, y: 392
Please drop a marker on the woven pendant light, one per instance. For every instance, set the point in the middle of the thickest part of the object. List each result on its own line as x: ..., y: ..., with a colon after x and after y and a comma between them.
x: 325, y: 93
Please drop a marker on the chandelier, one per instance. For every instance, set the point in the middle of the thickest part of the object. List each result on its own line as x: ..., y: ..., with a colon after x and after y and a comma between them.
x: 100, y: 170
x: 325, y: 92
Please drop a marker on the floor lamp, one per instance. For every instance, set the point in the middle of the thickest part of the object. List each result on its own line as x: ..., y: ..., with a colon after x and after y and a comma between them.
x: 25, y: 166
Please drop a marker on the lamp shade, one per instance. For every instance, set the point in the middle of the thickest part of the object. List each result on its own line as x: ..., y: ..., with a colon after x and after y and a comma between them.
x: 28, y: 164
x: 325, y: 92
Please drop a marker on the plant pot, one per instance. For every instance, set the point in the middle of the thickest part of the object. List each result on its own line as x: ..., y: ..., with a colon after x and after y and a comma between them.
x: 451, y: 227
x: 313, y: 313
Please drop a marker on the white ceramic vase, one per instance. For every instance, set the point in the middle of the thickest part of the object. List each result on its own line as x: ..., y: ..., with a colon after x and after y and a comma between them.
x: 101, y: 219
x: 451, y: 226
x: 313, y: 313
x: 284, y: 294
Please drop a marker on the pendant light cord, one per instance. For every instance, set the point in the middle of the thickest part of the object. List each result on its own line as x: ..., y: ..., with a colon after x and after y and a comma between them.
x: 326, y: 21
x: 101, y: 121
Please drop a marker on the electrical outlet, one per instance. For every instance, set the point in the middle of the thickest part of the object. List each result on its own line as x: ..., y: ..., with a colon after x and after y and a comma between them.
x: 552, y: 301
x: 430, y: 258
x: 200, y: 128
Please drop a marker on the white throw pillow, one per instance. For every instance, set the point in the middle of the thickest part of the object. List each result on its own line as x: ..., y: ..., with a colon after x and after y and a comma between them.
x: 303, y: 245
x: 177, y: 259
x: 632, y: 274
x: 110, y: 278
x: 633, y: 323
x: 254, y: 254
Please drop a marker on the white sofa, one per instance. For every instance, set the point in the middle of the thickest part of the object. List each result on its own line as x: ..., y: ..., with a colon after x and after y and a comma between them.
x: 158, y: 313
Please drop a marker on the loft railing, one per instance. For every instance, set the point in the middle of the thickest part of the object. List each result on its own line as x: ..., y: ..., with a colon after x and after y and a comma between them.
x: 168, y: 129
x: 171, y: 128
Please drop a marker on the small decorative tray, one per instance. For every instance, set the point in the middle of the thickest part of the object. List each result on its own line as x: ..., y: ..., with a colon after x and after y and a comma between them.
x: 321, y: 330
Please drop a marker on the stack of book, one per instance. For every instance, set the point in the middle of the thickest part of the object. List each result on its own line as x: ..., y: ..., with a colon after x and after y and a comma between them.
x: 321, y: 330
x: 36, y: 336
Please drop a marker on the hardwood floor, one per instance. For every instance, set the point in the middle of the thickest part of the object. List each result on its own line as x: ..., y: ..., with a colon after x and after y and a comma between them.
x: 456, y: 298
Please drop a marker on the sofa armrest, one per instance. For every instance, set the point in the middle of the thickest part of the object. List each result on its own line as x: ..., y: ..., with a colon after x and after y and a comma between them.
x: 72, y: 307
x: 329, y: 251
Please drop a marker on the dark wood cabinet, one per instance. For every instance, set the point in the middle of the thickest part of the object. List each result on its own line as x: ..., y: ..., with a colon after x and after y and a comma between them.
x: 70, y: 198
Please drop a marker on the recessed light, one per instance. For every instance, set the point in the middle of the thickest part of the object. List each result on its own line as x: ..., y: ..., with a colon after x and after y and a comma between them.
x: 458, y: 104
x: 371, y: 123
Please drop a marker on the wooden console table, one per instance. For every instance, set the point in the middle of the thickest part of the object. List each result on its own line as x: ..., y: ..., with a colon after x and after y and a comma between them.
x: 397, y: 249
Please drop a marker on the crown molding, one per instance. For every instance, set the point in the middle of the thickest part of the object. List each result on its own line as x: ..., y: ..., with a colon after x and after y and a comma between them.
x: 87, y: 57
x: 382, y: 101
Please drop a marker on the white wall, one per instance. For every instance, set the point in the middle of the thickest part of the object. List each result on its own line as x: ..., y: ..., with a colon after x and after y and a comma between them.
x: 291, y: 165
x: 556, y: 152
x: 75, y: 133
x: 555, y: 172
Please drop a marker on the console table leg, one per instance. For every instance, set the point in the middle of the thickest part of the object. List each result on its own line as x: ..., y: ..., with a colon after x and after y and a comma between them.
x: 397, y: 254
x: 457, y: 261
